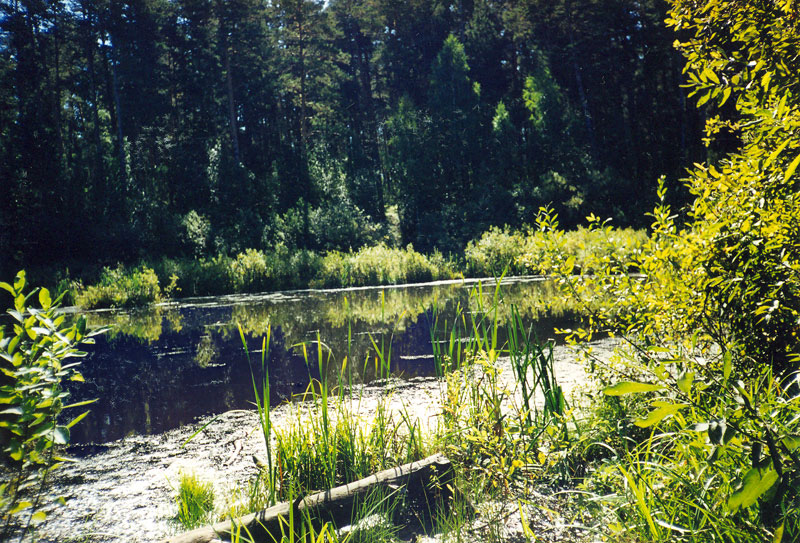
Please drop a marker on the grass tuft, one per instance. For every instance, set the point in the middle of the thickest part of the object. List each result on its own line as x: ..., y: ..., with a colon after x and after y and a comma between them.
x: 195, y: 501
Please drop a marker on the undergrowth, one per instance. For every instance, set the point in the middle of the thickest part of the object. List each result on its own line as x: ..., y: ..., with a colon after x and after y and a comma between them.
x: 280, y: 268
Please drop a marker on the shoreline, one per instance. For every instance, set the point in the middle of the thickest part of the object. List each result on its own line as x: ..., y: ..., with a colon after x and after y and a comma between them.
x: 126, y: 492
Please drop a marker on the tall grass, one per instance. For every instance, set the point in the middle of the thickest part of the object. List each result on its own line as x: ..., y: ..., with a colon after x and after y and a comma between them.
x: 381, y: 265
x: 263, y: 406
x: 121, y: 287
x: 254, y: 270
x: 533, y: 365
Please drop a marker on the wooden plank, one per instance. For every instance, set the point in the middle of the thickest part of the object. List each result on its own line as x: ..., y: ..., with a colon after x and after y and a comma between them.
x: 426, y: 483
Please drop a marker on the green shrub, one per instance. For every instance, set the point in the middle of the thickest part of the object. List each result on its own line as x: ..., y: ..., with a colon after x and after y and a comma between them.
x: 250, y: 272
x: 526, y: 251
x: 35, y: 353
x: 121, y: 287
x: 196, y: 230
x: 713, y: 318
x: 381, y: 265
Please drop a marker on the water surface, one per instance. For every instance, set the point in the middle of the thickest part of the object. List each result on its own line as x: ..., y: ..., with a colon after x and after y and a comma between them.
x: 165, y: 366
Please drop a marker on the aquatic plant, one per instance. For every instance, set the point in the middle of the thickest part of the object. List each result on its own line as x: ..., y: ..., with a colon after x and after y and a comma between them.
x: 195, y: 501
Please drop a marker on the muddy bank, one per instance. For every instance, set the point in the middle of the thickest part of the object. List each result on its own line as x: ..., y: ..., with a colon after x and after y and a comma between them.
x: 124, y: 490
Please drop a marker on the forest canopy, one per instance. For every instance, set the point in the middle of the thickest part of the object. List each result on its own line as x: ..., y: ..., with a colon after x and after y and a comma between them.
x: 200, y: 127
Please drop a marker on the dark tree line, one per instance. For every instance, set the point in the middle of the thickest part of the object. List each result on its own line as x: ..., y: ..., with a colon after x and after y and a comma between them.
x: 176, y: 127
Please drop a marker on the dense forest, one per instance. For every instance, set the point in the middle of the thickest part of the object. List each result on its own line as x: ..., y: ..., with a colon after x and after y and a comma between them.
x: 200, y: 127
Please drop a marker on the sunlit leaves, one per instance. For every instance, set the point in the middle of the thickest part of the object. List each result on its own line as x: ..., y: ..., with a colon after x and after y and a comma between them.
x: 32, y: 357
x: 662, y: 410
x: 630, y: 387
x: 713, y: 318
x: 791, y: 169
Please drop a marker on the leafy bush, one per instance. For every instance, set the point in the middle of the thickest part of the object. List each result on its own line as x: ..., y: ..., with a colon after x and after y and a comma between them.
x: 196, y: 232
x: 35, y: 359
x: 713, y: 319
x: 526, y: 251
x: 121, y: 287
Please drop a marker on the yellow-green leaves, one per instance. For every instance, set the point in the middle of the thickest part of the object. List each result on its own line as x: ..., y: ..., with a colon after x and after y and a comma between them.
x: 44, y: 298
x: 727, y: 365
x: 662, y: 410
x: 791, y: 169
x: 630, y: 387
x: 685, y: 382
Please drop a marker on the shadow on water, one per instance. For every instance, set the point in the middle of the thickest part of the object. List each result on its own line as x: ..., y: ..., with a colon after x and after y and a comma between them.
x: 166, y: 366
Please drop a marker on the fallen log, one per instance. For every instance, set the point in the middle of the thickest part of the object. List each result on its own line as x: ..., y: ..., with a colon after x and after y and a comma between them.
x: 426, y: 485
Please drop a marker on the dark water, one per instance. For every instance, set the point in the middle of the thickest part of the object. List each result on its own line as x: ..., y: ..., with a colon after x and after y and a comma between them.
x: 164, y: 367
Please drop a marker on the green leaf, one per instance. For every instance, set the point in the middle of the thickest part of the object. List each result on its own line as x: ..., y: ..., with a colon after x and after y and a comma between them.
x: 756, y: 482
x: 685, y: 382
x: 15, y: 450
x: 77, y: 419
x: 78, y: 404
x: 765, y: 80
x: 791, y: 442
x: 778, y: 536
x: 20, y: 507
x: 81, y: 326
x: 12, y: 345
x: 792, y: 167
x: 663, y: 410
x: 38, y: 517
x: 19, y: 281
x: 774, y: 154
x: 630, y: 387
x: 44, y: 298
x: 9, y: 288
x: 61, y: 435
x: 727, y: 365
x: 709, y: 73
x: 725, y: 95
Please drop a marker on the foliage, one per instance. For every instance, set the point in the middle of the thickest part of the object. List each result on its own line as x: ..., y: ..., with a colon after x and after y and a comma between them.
x: 492, y: 425
x: 253, y: 270
x: 526, y: 251
x: 381, y: 265
x: 197, y: 230
x: 37, y: 354
x: 195, y: 501
x: 712, y: 320
x: 316, y: 451
x: 195, y: 129
x: 121, y: 287
x: 324, y: 441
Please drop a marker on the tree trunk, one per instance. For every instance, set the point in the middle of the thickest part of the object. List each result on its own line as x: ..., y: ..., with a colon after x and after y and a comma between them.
x: 231, y: 104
